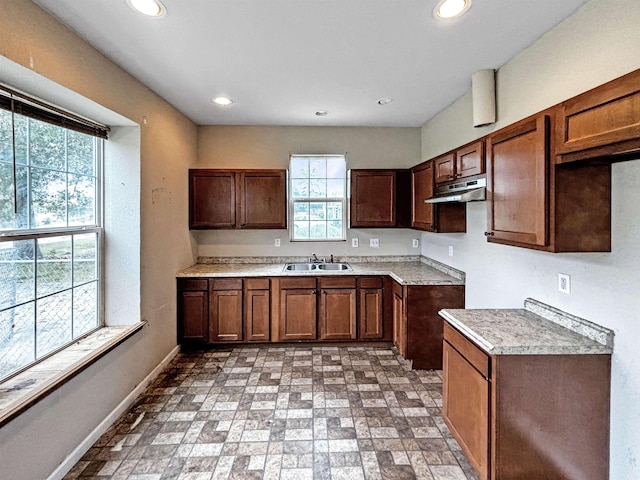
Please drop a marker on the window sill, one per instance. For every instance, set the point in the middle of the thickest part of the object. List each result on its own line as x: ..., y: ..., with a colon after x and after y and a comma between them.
x: 24, y: 390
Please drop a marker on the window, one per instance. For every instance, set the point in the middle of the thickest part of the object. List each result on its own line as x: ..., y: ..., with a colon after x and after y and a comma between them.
x: 50, y: 231
x: 317, y: 197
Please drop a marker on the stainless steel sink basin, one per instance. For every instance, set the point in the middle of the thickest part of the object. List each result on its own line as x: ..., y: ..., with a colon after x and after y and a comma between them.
x: 290, y: 267
x: 334, y: 266
x: 308, y: 267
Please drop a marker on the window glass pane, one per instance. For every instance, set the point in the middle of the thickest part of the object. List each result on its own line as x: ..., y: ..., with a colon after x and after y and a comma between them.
x: 46, y: 145
x: 336, y: 167
x: 300, y: 188
x: 334, y: 229
x: 84, y: 258
x: 7, y: 214
x: 17, y: 267
x: 80, y: 153
x: 6, y: 145
x: 317, y: 211
x: 301, y: 229
x: 48, y: 198
x: 85, y: 308
x: 82, y: 192
x: 300, y: 168
x: 17, y: 338
x: 335, y: 188
x: 318, y: 188
x: 318, y: 168
x: 53, y: 322
x: 53, y: 265
x: 317, y: 229
x: 301, y: 211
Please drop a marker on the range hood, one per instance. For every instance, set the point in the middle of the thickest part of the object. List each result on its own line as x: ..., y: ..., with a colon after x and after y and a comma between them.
x: 471, y: 191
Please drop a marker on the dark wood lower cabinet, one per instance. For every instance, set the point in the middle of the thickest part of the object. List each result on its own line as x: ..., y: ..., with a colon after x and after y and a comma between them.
x: 193, y: 310
x: 298, y: 309
x: 225, y: 313
x: 370, y: 308
x: 337, y: 317
x: 527, y: 416
x: 257, y: 310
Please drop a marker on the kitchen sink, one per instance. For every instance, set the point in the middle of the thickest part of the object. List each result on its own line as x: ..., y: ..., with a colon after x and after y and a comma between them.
x: 308, y: 267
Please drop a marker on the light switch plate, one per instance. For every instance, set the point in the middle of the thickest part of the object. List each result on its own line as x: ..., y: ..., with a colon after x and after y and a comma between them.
x: 374, y: 242
x: 451, y: 250
x: 564, y: 283
x: 354, y: 242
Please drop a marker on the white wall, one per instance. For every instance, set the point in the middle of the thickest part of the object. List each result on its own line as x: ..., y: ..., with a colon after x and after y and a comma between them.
x: 598, y: 43
x: 147, y: 182
x: 270, y: 147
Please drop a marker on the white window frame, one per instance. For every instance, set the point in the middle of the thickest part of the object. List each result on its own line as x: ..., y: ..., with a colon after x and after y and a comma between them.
x: 35, y: 233
x: 342, y: 200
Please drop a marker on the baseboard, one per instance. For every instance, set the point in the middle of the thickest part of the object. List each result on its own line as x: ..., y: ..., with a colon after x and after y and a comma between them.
x: 86, y: 444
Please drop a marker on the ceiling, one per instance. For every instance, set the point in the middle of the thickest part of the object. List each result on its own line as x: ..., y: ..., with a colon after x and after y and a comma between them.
x: 283, y: 60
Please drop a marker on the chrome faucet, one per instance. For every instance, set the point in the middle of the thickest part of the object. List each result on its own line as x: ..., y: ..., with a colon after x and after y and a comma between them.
x: 314, y: 258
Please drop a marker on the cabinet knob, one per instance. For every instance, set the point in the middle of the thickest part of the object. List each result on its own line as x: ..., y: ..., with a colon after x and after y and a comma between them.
x: 488, y: 234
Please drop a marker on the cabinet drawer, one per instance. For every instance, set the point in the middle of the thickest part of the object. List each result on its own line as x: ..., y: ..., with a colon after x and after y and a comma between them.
x: 370, y: 282
x: 227, y: 284
x: 298, y: 282
x: 467, y: 349
x: 193, y: 284
x: 257, y: 283
x: 337, y: 282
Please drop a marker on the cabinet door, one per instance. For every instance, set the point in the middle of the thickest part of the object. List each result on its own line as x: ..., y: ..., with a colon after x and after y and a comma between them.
x: 373, y: 195
x: 194, y: 315
x: 225, y: 316
x: 465, y: 408
x: 257, y: 308
x: 212, y: 199
x: 338, y: 313
x: 298, y: 314
x: 517, y: 172
x: 422, y: 188
x: 370, y: 313
x: 399, y: 320
x: 445, y: 168
x: 263, y: 199
x: 470, y: 160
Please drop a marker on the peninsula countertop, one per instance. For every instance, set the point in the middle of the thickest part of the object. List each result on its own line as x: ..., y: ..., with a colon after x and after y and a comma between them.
x: 537, y: 329
x: 409, y: 271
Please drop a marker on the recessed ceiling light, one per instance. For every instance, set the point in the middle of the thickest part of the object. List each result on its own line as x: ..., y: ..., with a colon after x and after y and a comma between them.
x: 223, y: 101
x: 322, y: 113
x: 385, y: 101
x: 450, y: 9
x: 151, y: 8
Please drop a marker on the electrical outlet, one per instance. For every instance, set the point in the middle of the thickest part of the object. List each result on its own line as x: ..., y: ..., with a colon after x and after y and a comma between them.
x: 564, y: 283
x: 451, y: 250
x: 416, y: 243
x: 354, y: 242
x: 277, y: 242
x: 374, y: 242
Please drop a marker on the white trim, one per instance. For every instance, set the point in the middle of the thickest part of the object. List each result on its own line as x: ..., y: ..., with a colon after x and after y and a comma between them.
x: 93, y: 437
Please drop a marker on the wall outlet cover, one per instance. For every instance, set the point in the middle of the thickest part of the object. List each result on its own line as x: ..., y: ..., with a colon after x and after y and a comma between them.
x: 277, y: 242
x: 354, y: 242
x: 416, y: 243
x: 564, y: 283
x: 374, y: 242
x: 451, y: 250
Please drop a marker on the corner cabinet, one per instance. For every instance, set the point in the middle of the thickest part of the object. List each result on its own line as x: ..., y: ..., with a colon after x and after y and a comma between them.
x: 441, y: 218
x: 535, y: 203
x: 379, y: 198
x: 243, y: 199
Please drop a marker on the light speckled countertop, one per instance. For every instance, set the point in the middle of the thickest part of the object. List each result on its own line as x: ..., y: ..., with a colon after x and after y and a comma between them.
x: 413, y: 271
x: 537, y: 329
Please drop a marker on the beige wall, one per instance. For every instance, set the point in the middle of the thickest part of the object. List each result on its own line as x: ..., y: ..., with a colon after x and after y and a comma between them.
x: 270, y: 147
x: 35, y: 443
x: 598, y: 43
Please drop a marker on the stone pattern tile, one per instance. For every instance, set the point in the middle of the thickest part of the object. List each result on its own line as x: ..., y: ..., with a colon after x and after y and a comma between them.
x: 307, y: 412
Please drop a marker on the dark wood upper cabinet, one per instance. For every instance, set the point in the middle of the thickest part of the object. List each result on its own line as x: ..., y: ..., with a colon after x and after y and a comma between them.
x: 535, y: 204
x: 470, y: 160
x: 604, y: 121
x: 444, y: 167
x: 212, y: 199
x: 263, y: 199
x: 517, y: 163
x: 379, y: 198
x: 443, y: 218
x: 237, y: 199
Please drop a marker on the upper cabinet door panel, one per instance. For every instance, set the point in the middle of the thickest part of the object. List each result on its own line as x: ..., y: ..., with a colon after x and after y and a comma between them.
x: 373, y: 198
x: 517, y: 162
x: 470, y: 160
x: 212, y: 199
x: 422, y: 188
x: 605, y: 120
x: 263, y: 199
x: 445, y: 168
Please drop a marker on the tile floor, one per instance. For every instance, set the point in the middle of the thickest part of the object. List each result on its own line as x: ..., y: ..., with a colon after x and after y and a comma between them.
x: 307, y: 412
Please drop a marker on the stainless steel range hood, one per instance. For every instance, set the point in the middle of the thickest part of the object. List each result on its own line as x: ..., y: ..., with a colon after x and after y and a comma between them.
x: 471, y: 191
